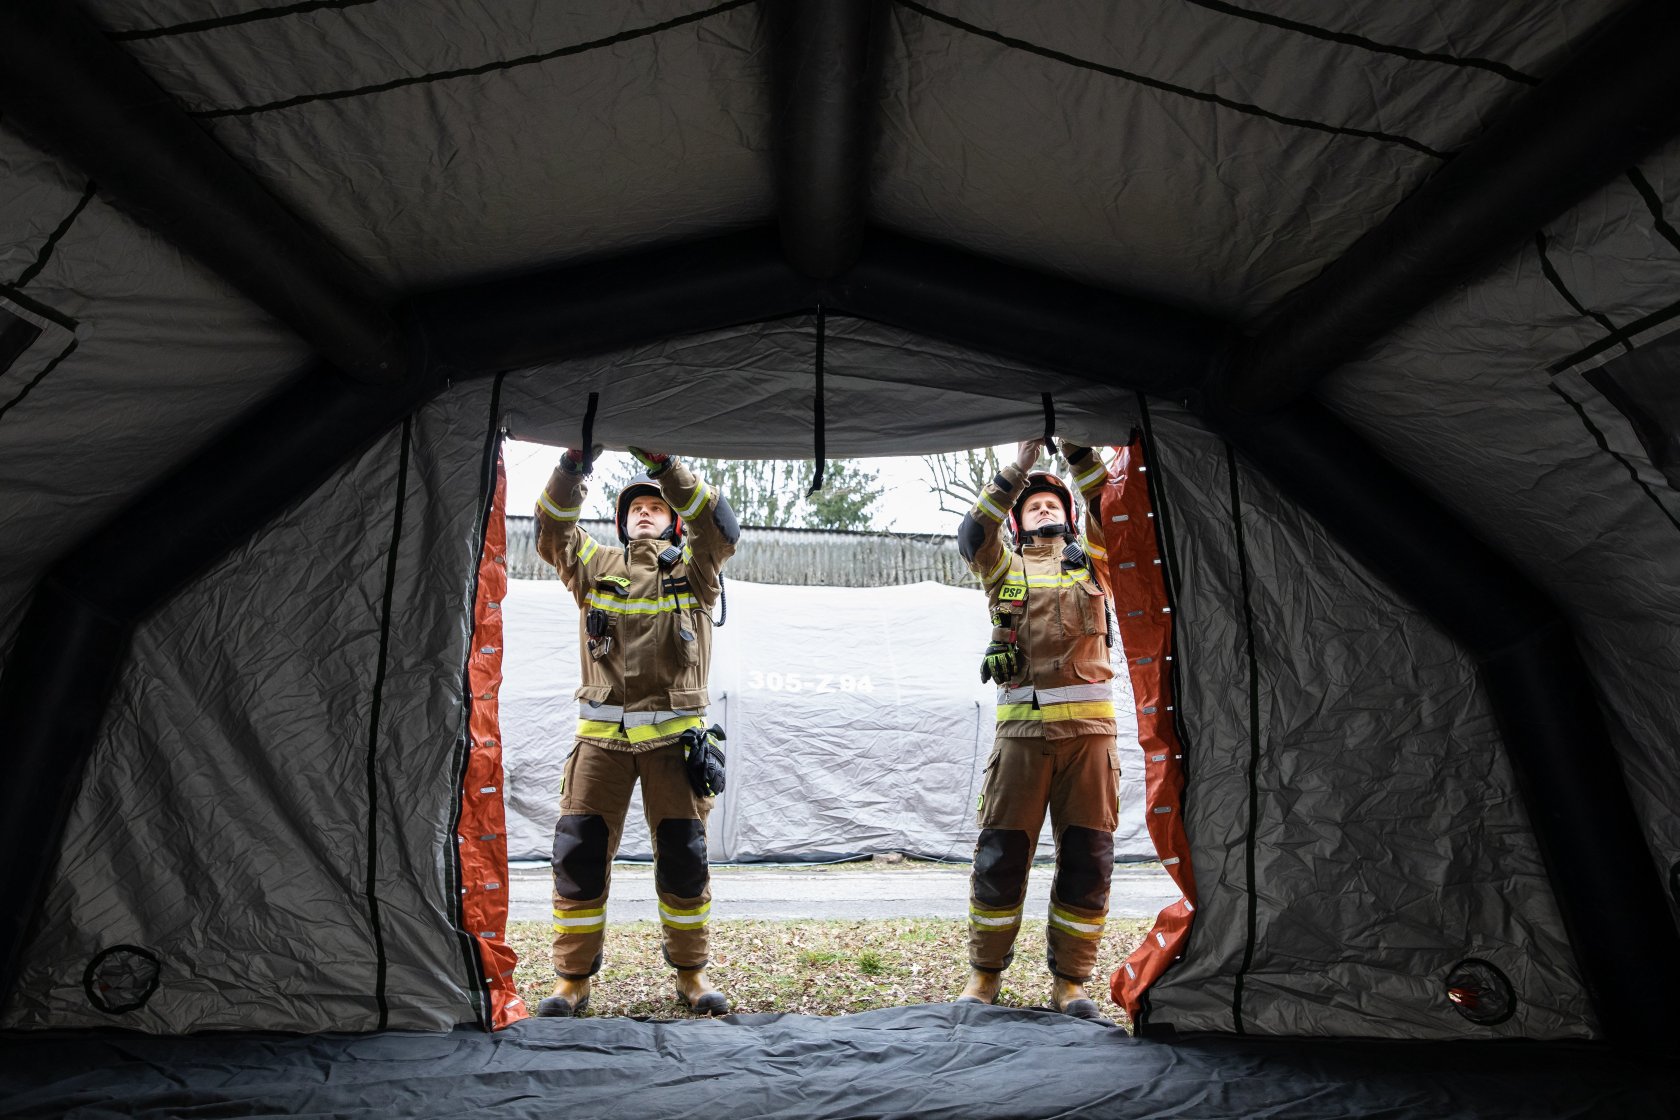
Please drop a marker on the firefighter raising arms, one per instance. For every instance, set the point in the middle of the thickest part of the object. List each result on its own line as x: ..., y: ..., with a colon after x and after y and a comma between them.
x: 645, y: 615
x: 1052, y: 629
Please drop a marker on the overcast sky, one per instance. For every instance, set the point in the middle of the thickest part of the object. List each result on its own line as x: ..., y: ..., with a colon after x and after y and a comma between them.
x: 907, y: 505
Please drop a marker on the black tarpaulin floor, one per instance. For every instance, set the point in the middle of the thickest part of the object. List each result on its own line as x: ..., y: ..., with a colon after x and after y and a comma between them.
x: 938, y: 1060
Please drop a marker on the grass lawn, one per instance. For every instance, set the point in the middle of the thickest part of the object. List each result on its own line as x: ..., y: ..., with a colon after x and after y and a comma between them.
x: 814, y: 967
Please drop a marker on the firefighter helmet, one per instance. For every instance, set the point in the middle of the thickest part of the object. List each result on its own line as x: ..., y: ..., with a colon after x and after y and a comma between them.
x: 636, y: 487
x: 1040, y: 482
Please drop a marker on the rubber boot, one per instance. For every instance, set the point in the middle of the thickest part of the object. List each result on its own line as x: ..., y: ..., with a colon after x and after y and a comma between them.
x: 1068, y: 997
x: 982, y: 987
x: 570, y: 998
x: 697, y: 993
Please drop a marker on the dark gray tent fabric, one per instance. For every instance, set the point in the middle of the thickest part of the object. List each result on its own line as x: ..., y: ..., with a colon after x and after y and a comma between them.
x: 242, y: 794
x: 1352, y: 930
x: 269, y: 805
x: 1487, y: 400
x: 943, y: 1060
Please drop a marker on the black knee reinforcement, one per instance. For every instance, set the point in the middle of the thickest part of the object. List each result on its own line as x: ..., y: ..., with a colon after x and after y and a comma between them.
x: 679, y: 857
x: 1001, y: 859
x: 1084, y: 865
x: 580, y: 857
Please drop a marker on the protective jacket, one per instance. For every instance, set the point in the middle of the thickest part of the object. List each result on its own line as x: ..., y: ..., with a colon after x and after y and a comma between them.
x: 1059, y: 611
x: 644, y: 677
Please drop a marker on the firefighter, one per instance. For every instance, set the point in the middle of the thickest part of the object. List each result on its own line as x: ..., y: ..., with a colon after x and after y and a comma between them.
x: 645, y: 615
x: 1055, y: 748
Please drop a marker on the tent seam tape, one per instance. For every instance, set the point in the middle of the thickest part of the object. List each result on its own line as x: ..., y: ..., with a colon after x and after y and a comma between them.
x: 38, y: 378
x: 469, y: 71
x: 382, y: 964
x: 57, y: 235
x: 1167, y: 87
x: 259, y: 15
x: 1250, y: 840
x: 1556, y: 280
x: 1604, y: 445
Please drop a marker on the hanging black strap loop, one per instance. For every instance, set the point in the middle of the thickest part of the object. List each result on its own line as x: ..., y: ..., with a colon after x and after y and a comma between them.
x: 589, y: 433
x: 822, y: 330
x: 1049, y: 425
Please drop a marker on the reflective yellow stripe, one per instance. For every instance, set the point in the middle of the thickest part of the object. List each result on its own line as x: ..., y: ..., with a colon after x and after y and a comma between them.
x: 701, y: 493
x: 994, y: 918
x: 669, y: 727
x: 998, y: 569
x: 600, y: 729
x: 1061, y: 579
x: 549, y: 507
x: 588, y: 548
x: 684, y: 919
x: 580, y: 921
x: 1088, y: 928
x: 1084, y: 709
x: 985, y: 506
x: 662, y: 605
x: 1092, y: 548
x: 1098, y: 470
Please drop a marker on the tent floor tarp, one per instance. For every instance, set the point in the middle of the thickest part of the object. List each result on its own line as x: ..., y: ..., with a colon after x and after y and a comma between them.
x: 929, y: 1060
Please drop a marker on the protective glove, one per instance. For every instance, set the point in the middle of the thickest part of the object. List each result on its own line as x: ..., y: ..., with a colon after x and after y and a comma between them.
x: 1027, y: 454
x: 1000, y: 662
x: 572, y: 462
x: 652, y: 461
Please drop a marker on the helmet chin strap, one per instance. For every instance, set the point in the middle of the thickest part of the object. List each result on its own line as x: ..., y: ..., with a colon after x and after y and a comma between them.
x: 1054, y: 529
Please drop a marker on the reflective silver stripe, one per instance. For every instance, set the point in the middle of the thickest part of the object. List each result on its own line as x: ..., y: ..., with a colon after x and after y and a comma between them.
x: 610, y: 713
x: 1022, y: 695
x: 1069, y: 693
x: 685, y: 918
x: 998, y: 569
x: 1098, y: 469
x: 701, y: 493
x: 555, y: 511
x: 588, y: 548
x: 1074, y: 924
x: 985, y: 505
x: 643, y: 719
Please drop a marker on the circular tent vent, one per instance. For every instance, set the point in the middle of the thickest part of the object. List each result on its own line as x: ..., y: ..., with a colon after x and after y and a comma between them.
x: 1480, y: 992
x: 121, y: 978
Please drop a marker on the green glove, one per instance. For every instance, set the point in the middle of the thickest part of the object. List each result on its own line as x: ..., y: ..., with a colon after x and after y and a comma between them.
x: 1000, y: 663
x: 652, y: 461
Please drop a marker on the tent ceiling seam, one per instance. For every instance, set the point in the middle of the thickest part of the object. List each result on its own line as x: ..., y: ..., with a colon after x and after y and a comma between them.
x: 258, y: 15
x: 1168, y: 87
x: 37, y: 379
x: 1472, y: 62
x: 470, y: 71
x: 57, y: 235
x: 1552, y: 277
x: 1654, y: 204
x: 1604, y: 445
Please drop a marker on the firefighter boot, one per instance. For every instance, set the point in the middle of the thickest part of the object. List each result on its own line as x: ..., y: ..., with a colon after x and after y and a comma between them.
x: 697, y: 994
x: 1068, y: 997
x: 982, y: 987
x: 570, y: 998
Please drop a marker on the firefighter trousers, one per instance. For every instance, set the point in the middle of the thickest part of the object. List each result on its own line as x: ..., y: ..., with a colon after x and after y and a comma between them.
x: 1078, y: 780
x: 594, y: 798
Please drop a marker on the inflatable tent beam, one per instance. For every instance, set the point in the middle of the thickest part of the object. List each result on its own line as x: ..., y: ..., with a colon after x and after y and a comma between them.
x: 1603, y: 875
x: 75, y: 92
x: 1609, y: 105
x: 824, y: 66
x: 743, y: 277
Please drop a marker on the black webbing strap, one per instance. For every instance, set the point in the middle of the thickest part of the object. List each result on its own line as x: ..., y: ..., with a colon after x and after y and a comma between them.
x: 589, y: 433
x: 822, y: 330
x: 1049, y: 425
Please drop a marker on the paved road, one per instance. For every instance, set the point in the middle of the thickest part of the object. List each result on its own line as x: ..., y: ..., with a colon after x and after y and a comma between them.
x: 784, y: 893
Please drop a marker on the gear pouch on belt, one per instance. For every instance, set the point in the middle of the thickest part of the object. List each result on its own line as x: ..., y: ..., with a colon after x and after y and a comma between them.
x: 704, y: 760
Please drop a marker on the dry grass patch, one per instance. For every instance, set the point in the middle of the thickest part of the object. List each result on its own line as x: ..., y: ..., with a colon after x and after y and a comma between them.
x: 813, y: 967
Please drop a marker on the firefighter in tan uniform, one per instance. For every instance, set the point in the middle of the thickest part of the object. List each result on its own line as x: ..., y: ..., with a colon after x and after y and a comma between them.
x: 1055, y: 748
x: 645, y: 613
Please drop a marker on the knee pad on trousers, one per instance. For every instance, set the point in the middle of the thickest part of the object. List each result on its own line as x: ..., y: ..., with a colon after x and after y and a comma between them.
x: 679, y: 865
x: 1001, y: 859
x: 1084, y: 865
x: 580, y: 857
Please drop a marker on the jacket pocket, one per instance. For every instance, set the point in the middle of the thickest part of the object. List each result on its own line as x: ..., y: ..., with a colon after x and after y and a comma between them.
x: 687, y: 699
x: 592, y: 694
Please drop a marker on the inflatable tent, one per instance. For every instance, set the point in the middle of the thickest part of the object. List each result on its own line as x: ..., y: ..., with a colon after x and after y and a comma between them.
x: 1376, y: 305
